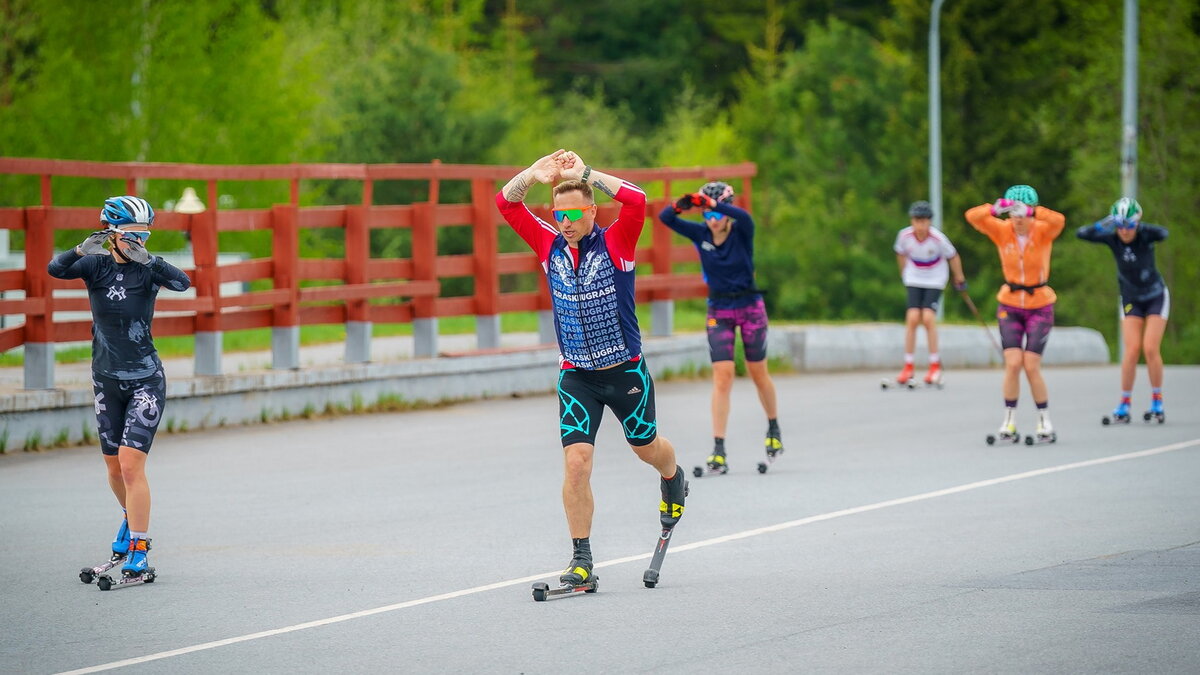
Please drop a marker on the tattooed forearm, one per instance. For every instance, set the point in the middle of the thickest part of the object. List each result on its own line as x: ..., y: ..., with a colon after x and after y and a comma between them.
x: 599, y: 185
x: 517, y: 188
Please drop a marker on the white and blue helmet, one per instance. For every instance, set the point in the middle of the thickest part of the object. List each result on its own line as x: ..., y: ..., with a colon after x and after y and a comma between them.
x: 126, y: 210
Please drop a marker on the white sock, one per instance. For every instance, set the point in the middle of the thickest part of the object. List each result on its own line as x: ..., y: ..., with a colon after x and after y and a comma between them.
x: 934, y: 358
x: 908, y: 359
x: 137, y: 535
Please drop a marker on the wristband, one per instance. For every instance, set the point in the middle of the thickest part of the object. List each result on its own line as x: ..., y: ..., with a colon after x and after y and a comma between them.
x: 587, y: 171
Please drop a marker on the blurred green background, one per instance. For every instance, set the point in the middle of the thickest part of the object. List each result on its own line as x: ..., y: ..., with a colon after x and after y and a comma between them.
x: 829, y: 98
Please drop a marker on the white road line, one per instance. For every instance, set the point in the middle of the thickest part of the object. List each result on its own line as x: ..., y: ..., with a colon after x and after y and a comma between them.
x: 620, y: 561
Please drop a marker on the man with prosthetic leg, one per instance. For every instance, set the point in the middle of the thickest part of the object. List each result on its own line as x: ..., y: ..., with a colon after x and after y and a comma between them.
x: 590, y: 272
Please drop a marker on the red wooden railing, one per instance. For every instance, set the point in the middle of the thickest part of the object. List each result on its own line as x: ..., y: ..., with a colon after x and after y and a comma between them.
x: 362, y: 277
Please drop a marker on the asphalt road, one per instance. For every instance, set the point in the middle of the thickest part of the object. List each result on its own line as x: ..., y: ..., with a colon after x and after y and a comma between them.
x: 889, y: 538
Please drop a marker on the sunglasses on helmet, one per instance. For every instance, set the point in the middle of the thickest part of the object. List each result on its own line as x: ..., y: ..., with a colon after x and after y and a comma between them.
x: 572, y: 215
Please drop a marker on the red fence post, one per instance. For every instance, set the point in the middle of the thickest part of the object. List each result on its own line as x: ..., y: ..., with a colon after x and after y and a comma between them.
x: 285, y: 317
x: 202, y: 229
x: 39, y: 328
x: 358, y: 318
x: 662, y: 307
x: 487, y: 276
x: 424, y: 265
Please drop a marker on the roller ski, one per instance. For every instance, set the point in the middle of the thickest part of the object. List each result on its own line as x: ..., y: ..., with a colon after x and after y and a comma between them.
x: 904, y: 380
x: 1007, y: 432
x: 120, y: 548
x: 774, y: 446
x: 1120, y: 414
x: 1044, y: 432
x: 1155, y: 412
x: 576, y: 578
x: 670, y: 511
x: 716, y: 465
x: 136, y: 569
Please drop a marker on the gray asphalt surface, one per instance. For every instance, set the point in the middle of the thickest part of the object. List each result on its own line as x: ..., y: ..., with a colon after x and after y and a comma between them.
x: 1083, y: 569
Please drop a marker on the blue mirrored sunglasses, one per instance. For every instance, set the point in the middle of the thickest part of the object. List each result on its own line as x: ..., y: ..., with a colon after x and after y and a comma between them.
x: 709, y: 215
x: 140, y: 236
x: 1125, y: 224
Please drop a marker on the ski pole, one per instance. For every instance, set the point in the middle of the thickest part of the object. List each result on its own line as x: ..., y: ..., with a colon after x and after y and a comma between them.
x: 967, y: 299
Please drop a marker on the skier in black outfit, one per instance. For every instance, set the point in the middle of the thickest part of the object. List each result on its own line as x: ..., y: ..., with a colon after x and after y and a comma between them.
x: 1145, y: 300
x: 127, y: 375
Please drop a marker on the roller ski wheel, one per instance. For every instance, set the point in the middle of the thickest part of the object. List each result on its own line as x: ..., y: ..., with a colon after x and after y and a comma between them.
x: 1155, y: 412
x: 887, y: 383
x: 89, y: 575
x: 1114, y: 419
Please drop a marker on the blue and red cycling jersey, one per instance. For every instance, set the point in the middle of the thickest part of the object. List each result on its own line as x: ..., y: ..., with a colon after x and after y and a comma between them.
x: 592, y: 287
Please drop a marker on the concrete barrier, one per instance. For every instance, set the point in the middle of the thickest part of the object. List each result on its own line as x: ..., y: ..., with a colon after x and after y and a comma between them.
x: 43, y: 418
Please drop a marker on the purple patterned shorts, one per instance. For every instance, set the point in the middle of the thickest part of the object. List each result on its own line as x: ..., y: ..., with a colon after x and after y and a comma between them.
x: 1031, y: 326
x: 751, y: 320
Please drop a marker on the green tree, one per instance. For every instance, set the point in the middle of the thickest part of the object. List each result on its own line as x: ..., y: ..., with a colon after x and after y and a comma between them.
x: 831, y: 131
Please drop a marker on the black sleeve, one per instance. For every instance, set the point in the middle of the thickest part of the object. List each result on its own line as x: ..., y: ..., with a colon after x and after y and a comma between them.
x: 1153, y: 232
x: 743, y: 222
x: 687, y: 228
x: 169, y: 276
x: 69, y: 265
x: 1096, y: 232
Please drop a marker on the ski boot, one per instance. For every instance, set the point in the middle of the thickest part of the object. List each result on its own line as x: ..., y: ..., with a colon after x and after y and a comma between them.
x: 1156, y: 411
x: 137, y: 564
x: 578, y: 572
x: 673, y: 493
x: 774, y: 447
x: 1120, y: 414
x: 716, y: 465
x: 136, y: 570
x: 904, y: 379
x: 933, y: 378
x: 1044, y: 433
x: 120, y: 548
x: 1007, y: 433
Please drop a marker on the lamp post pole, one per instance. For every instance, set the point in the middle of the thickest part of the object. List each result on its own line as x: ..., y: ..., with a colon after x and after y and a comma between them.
x: 1129, y: 135
x: 935, y: 114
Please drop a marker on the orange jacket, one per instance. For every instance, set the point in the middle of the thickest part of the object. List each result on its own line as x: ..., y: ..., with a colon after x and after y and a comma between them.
x: 1028, y: 267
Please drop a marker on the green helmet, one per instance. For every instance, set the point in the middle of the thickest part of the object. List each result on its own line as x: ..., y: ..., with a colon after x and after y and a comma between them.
x: 1126, y: 208
x: 1022, y: 193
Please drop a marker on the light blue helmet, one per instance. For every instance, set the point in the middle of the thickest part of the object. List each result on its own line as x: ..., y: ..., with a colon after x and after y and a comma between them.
x: 1022, y: 193
x: 127, y: 210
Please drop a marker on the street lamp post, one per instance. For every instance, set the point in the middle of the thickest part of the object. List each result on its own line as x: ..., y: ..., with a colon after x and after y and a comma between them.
x: 935, y: 114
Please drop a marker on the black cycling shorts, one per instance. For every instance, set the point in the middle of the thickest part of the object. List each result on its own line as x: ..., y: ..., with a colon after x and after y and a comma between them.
x: 128, y: 411
x: 626, y: 389
x: 923, y: 298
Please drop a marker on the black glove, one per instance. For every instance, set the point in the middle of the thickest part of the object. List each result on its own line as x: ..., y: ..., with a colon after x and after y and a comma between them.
x: 683, y: 204
x: 136, y: 251
x: 701, y: 199
x: 94, y: 244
